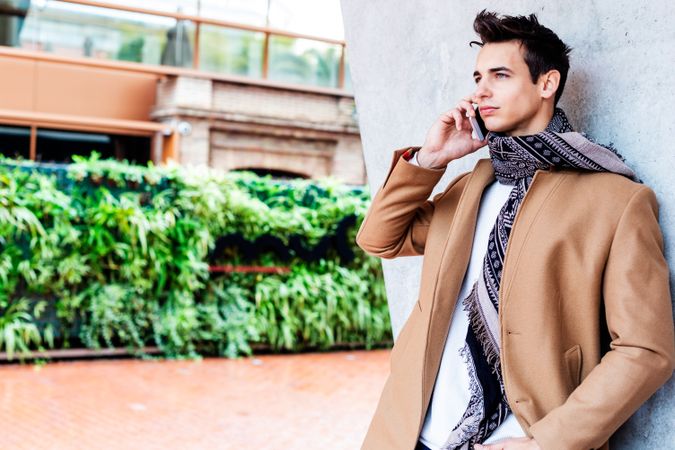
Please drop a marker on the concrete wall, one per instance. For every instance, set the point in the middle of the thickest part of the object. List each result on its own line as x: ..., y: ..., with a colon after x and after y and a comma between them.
x: 410, y: 61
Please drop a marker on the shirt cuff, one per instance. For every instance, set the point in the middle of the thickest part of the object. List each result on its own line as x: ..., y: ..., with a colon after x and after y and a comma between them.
x: 413, y: 160
x: 410, y: 155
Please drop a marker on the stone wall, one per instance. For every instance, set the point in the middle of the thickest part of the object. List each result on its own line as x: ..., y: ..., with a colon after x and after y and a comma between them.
x: 240, y: 126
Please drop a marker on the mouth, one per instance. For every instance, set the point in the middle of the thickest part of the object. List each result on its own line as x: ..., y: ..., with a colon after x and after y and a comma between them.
x: 487, y: 110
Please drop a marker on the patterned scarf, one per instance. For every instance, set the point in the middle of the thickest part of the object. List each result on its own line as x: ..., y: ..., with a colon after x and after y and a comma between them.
x: 515, y: 160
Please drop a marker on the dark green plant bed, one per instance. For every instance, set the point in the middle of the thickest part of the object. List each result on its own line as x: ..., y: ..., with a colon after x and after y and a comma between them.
x: 103, y: 254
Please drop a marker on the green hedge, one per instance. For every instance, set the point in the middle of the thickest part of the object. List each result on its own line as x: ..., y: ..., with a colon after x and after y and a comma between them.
x: 100, y: 253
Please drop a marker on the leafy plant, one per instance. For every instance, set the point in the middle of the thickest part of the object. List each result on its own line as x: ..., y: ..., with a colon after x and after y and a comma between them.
x: 18, y: 332
x: 118, y: 256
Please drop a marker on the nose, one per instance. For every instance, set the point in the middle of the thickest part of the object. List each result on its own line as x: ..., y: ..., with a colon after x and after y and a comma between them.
x: 482, y: 91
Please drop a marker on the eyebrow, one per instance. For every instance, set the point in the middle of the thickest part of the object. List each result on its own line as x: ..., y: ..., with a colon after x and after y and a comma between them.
x: 493, y: 70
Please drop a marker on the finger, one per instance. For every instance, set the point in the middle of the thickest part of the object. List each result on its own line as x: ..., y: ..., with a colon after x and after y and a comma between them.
x: 459, y: 121
x: 468, y: 107
x: 447, y: 117
x: 466, y: 124
x: 469, y: 98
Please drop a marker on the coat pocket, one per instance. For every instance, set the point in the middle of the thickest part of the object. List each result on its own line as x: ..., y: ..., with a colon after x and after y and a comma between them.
x: 572, y: 358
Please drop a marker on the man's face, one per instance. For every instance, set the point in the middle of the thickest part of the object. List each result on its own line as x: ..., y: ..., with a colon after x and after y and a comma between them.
x: 503, y: 81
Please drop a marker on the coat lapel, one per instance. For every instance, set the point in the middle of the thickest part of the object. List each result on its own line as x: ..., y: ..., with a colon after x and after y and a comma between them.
x: 546, y: 182
x: 450, y: 262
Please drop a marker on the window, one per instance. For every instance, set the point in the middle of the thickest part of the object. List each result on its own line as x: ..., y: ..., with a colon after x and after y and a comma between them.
x: 59, y: 146
x: 15, y: 141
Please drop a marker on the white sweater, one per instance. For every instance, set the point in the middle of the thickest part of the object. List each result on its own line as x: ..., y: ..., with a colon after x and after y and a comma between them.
x: 451, y: 391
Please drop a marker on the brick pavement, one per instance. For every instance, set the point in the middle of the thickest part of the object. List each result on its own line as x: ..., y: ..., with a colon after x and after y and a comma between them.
x: 320, y: 401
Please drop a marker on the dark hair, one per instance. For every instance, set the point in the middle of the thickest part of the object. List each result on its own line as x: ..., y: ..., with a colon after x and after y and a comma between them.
x: 544, y: 50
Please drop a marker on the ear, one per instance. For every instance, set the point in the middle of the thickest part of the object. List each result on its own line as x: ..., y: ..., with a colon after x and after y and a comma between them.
x: 548, y: 83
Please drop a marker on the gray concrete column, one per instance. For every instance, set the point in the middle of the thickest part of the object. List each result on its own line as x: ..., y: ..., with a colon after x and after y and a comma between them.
x: 410, y: 61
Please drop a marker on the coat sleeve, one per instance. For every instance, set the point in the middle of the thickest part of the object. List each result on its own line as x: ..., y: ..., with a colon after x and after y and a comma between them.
x: 398, y: 218
x: 639, y: 317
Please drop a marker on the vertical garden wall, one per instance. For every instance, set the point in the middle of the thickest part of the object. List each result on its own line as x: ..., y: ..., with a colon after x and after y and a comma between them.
x: 101, y: 254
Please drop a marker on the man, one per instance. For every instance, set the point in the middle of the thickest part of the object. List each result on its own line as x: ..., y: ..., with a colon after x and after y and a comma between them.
x: 544, y: 314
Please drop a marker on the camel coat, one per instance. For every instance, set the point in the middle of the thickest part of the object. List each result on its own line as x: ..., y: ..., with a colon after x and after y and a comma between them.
x: 584, y: 304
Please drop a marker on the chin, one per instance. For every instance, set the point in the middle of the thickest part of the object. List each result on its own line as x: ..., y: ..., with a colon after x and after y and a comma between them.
x: 495, y: 125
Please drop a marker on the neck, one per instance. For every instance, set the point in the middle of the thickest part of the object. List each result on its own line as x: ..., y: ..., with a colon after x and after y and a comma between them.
x: 535, y: 124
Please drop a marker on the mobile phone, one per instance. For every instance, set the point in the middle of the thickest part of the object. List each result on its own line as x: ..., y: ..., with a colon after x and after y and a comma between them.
x: 479, y: 130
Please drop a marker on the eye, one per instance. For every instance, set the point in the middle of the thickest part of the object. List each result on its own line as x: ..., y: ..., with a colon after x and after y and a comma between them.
x: 501, y: 75
x: 476, y: 80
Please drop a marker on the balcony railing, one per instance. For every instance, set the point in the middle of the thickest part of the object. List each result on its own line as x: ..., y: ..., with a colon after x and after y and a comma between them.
x: 188, y: 34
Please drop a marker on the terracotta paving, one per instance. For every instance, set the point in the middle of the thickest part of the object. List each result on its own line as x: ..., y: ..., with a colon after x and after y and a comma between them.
x: 320, y: 401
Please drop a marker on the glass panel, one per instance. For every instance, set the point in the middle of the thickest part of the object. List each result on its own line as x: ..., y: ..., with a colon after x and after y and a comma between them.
x: 315, y: 18
x: 348, y: 76
x: 230, y: 51
x: 15, y: 141
x: 303, y: 61
x: 182, y: 6
x: 249, y: 12
x: 59, y: 146
x: 77, y: 30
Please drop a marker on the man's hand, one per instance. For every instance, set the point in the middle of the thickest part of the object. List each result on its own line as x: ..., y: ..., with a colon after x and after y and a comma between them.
x: 449, y: 137
x: 510, y: 444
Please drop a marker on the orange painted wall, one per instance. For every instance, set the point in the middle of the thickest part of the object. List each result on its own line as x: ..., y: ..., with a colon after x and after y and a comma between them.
x: 62, y: 88
x: 16, y: 83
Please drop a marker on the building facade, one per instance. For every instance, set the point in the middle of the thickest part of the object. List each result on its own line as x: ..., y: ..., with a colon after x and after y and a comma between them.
x: 164, y: 84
